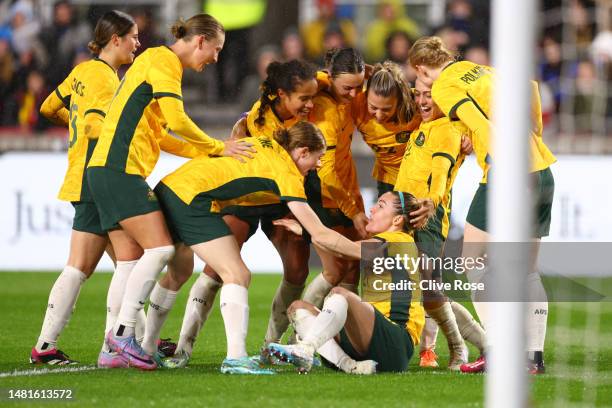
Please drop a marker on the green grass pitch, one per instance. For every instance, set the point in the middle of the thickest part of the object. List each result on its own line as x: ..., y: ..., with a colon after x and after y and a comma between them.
x: 582, y: 373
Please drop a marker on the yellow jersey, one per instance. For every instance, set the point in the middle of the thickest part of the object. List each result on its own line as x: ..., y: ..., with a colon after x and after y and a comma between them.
x: 146, y: 105
x: 401, y: 306
x: 337, y: 174
x: 81, y: 100
x: 431, y: 163
x: 226, y: 180
x: 463, y: 82
x: 387, y: 140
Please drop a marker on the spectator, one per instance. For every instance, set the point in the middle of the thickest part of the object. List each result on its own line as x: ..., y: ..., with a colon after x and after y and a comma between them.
x: 584, y: 97
x: 470, y: 30
x: 250, y: 90
x: 550, y: 67
x: 333, y: 38
x: 397, y: 46
x: 390, y: 18
x: 29, y: 103
x: 451, y: 38
x: 292, y: 46
x: 7, y: 74
x: 62, y: 39
x: 478, y: 55
x: 327, y: 23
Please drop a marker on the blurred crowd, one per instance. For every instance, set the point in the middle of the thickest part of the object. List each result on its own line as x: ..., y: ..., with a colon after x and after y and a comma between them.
x: 574, y: 51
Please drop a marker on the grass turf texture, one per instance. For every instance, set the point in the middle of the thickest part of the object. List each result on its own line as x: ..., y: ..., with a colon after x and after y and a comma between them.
x: 23, y: 297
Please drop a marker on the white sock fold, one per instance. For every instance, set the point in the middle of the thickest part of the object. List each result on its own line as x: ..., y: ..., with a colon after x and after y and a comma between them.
x: 317, y: 290
x: 199, y: 304
x: 62, y: 299
x: 328, y: 323
x: 445, y: 318
x: 139, y: 286
x: 160, y: 304
x: 285, y: 294
x: 537, y: 313
x: 469, y: 328
x: 235, y: 311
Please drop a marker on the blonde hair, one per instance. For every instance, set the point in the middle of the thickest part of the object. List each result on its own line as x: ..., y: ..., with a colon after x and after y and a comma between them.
x: 301, y: 134
x: 200, y: 24
x: 429, y: 51
x: 387, y: 80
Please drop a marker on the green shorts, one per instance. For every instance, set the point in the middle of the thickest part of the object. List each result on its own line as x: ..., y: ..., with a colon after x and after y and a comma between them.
x: 391, y: 346
x: 383, y: 187
x: 191, y: 224
x: 86, y: 218
x: 258, y: 215
x: 330, y: 217
x: 543, y: 190
x: 119, y: 195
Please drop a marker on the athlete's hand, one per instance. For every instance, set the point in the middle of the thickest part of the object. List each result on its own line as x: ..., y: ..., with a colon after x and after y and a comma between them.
x: 238, y: 149
x: 420, y: 217
x: 239, y: 131
x: 360, y: 220
x: 290, y: 225
x: 368, y: 70
x: 466, y: 145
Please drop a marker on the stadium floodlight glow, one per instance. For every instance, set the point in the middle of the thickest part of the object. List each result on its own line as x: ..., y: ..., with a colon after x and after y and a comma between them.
x: 509, y: 207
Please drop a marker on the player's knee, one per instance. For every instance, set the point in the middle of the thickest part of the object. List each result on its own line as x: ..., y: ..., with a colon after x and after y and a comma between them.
x: 298, y: 305
x: 338, y: 290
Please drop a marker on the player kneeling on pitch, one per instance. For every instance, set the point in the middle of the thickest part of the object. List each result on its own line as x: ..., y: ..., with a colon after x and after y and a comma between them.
x: 381, y: 328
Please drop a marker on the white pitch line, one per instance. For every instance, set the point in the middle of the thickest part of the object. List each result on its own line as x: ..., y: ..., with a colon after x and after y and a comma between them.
x: 43, y: 371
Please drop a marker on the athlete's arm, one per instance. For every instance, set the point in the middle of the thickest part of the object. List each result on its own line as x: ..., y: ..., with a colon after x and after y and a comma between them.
x: 173, y: 145
x: 53, y: 108
x: 181, y: 124
x: 322, y: 236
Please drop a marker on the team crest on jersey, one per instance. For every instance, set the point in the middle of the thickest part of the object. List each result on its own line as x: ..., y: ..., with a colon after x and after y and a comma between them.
x: 420, y: 140
x: 151, y: 196
x: 402, y: 137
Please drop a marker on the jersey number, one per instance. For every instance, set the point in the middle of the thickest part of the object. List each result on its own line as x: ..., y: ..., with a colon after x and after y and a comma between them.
x: 73, y: 117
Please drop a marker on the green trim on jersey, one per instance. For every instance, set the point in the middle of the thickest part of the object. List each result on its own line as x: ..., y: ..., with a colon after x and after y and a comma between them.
x: 158, y: 95
x: 98, y: 111
x: 126, y: 126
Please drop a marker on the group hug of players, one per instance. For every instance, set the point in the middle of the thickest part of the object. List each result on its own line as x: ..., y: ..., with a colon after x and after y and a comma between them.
x: 287, y: 169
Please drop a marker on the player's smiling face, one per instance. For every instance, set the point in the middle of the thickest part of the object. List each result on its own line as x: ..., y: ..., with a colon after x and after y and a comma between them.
x: 382, y: 214
x: 345, y: 86
x: 299, y: 102
x: 427, y: 108
x: 382, y: 108
x: 207, y: 51
x: 306, y: 160
x: 128, y: 44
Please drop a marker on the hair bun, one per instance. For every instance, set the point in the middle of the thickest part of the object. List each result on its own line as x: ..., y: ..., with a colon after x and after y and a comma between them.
x: 179, y: 29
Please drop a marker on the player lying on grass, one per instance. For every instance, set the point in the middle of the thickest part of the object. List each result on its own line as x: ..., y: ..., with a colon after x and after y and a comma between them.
x: 191, y: 196
x: 384, y: 325
x: 463, y: 91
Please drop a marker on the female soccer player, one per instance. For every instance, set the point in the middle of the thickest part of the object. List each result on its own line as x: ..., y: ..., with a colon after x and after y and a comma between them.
x: 286, y: 97
x: 81, y: 102
x: 147, y: 103
x: 189, y: 195
x: 428, y: 170
x: 333, y: 191
x: 384, y: 325
x: 385, y: 114
x: 463, y: 90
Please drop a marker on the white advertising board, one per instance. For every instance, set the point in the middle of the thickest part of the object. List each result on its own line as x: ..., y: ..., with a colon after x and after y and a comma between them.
x: 35, y: 226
